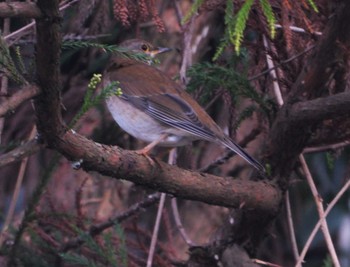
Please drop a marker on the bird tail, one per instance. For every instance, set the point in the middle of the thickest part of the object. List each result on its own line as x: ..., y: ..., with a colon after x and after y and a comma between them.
x: 240, y: 151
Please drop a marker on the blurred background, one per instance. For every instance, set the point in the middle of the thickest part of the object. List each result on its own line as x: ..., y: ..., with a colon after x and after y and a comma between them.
x: 235, y: 89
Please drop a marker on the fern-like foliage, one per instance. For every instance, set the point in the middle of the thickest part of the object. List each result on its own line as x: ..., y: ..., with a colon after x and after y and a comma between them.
x: 76, y: 45
x: 235, y: 23
x: 330, y: 159
x: 7, y: 65
x: 271, y: 20
x: 229, y: 26
x: 234, y: 26
x: 236, y: 36
x: 313, y: 5
x: 244, y: 114
x: 91, y: 99
x: 108, y: 253
x: 209, y: 77
x: 194, y: 9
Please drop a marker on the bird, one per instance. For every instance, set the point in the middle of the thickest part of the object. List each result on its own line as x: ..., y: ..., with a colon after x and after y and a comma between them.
x: 155, y: 109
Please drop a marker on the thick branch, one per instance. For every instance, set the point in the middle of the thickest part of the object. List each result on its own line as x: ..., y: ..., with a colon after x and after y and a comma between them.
x: 48, y: 48
x: 320, y: 109
x: 121, y: 164
x: 18, y: 98
x: 19, y: 9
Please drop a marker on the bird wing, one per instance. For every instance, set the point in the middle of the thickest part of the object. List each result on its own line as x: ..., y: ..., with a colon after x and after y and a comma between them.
x: 186, y: 119
x: 173, y: 111
x: 151, y: 91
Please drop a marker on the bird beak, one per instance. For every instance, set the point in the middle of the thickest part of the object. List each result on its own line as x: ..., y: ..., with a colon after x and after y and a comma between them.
x: 160, y: 50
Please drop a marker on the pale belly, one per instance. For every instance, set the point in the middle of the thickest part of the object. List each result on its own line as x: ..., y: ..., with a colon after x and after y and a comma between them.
x: 142, y: 126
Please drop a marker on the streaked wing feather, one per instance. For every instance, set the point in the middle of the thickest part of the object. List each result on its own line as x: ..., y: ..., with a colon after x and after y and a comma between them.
x: 183, y: 117
x: 240, y: 151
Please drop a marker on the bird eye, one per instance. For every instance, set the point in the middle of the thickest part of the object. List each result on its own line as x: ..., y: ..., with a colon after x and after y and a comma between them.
x: 144, y: 47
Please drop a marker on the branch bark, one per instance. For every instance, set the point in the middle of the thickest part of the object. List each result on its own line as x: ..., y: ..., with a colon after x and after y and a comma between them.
x: 29, y: 148
x: 128, y: 165
x: 319, y: 109
x: 19, y: 9
x: 18, y: 98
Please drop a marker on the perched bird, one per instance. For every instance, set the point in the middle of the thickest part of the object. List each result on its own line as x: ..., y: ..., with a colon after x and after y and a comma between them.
x: 155, y: 109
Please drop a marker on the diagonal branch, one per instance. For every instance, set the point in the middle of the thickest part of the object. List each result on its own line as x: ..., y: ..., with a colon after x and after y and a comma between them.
x: 19, y: 9
x: 18, y: 98
x: 17, y: 154
x: 128, y: 165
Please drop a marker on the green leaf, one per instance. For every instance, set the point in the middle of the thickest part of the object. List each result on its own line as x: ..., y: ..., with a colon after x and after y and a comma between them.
x: 271, y: 19
x: 123, y: 253
x: 91, y: 100
x: 194, y: 9
x: 240, y: 25
x: 223, y: 44
x: 71, y: 258
x: 330, y: 160
x: 107, y: 48
x: 313, y: 5
x: 7, y: 65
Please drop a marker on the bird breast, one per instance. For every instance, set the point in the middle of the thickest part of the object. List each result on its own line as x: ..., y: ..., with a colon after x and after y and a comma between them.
x: 142, y: 126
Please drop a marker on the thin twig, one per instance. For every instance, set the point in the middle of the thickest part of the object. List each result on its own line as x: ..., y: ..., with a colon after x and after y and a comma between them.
x: 16, y: 192
x: 326, y: 147
x: 25, y: 93
x: 282, y: 63
x: 318, y: 225
x: 320, y: 209
x: 20, y: 32
x: 4, y: 80
x: 97, y: 229
x: 172, y: 161
x: 153, y: 244
x: 265, y: 263
x: 17, y: 154
x: 291, y: 227
x: 270, y: 64
x: 179, y: 224
x: 297, y: 29
x: 178, y: 13
x: 280, y: 101
x: 187, y: 51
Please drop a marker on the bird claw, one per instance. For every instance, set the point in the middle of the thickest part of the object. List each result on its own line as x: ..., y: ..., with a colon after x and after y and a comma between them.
x: 144, y: 152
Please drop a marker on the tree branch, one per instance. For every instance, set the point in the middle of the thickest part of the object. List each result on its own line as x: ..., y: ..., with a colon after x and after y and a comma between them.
x: 99, y: 228
x: 19, y: 9
x: 320, y: 109
x: 18, y: 98
x: 48, y: 48
x: 128, y: 165
x: 20, y: 152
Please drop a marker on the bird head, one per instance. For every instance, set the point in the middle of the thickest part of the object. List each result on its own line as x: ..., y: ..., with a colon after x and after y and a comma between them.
x: 141, y: 46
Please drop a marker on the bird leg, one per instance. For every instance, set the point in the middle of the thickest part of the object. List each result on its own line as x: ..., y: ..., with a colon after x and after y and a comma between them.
x: 144, y: 151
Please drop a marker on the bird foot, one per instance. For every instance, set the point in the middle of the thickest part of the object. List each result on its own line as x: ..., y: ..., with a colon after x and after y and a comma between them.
x: 144, y: 152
